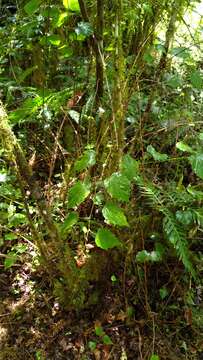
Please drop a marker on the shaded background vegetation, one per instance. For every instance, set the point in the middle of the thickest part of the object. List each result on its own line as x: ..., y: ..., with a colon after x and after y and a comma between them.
x: 101, y: 173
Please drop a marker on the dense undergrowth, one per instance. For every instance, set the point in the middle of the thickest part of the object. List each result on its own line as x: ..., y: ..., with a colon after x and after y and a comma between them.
x: 101, y: 173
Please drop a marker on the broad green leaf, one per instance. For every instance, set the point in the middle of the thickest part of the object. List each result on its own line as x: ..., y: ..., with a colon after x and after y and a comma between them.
x: 129, y: 167
x: 54, y: 39
x: 77, y: 194
x: 200, y: 136
x: 185, y: 217
x: 92, y: 345
x: 10, y: 259
x: 71, y: 5
x: 99, y: 331
x: 118, y: 186
x: 20, y: 248
x: 163, y: 292
x: 196, y: 162
x: 174, y: 81
x: 114, y: 215
x: 66, y: 52
x: 154, y: 357
x: 88, y: 159
x: 107, y: 340
x: 61, y: 19
x: 184, y: 147
x: 68, y: 223
x: 105, y: 239
x: 10, y: 236
x: 197, y: 80
x: 153, y: 256
x: 155, y: 154
x: 17, y: 219
x: 142, y: 256
x: 181, y: 52
x: 32, y: 6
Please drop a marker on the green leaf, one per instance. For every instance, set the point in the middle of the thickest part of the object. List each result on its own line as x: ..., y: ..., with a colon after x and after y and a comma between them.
x: 174, y: 81
x: 10, y: 259
x: 10, y: 236
x: 68, y: 223
x: 61, y: 19
x: 153, y: 256
x: 114, y: 215
x: 78, y: 193
x: 88, y: 159
x: 71, y: 5
x: 32, y: 6
x: 155, y: 154
x: 99, y: 331
x: 154, y: 357
x: 163, y: 292
x: 54, y: 39
x: 196, y: 80
x: 105, y: 239
x: 185, y: 217
x: 118, y: 186
x: 17, y: 219
x: 107, y: 340
x: 184, y: 147
x: 129, y: 167
x: 196, y: 162
x: 92, y: 345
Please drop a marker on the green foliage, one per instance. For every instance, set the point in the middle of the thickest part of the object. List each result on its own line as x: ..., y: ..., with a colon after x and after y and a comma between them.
x: 68, y: 223
x: 154, y: 357
x: 155, y: 154
x: 114, y: 215
x: 71, y: 5
x: 87, y: 159
x: 32, y: 6
x: 118, y: 186
x: 129, y: 167
x: 105, y: 239
x: 78, y: 193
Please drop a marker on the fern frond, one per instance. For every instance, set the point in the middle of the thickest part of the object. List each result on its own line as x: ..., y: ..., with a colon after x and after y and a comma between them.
x: 177, y: 237
x: 174, y: 231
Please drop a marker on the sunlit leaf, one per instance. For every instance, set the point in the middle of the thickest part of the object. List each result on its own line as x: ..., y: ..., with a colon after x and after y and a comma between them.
x: 54, y: 40
x: 184, y: 147
x: 10, y: 259
x: 114, y: 215
x: 107, y: 340
x: 196, y: 162
x: 155, y: 154
x: 71, y: 5
x: 129, y: 167
x: 154, y: 357
x: 69, y: 222
x: 32, y: 6
x: 118, y: 186
x: 77, y: 194
x: 105, y: 239
x: 88, y: 159
x: 197, y: 80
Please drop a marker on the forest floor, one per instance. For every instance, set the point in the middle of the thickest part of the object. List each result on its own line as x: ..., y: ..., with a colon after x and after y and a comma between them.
x: 33, y: 325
